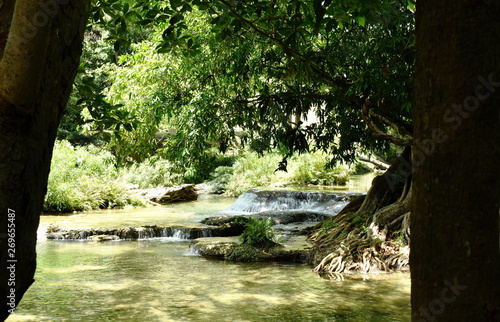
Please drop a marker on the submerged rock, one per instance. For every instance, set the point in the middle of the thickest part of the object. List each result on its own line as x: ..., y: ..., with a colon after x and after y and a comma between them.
x: 283, y: 217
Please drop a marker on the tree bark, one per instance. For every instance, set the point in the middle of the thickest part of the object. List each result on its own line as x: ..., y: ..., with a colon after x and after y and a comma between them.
x: 454, y: 260
x: 38, y: 66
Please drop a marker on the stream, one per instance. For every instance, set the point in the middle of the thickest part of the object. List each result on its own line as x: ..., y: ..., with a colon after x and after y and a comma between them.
x: 160, y: 279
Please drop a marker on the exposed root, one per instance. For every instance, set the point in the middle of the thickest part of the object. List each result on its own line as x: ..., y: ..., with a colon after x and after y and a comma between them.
x: 371, y: 237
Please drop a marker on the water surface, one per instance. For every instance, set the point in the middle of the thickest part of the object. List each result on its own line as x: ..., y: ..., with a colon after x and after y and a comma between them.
x: 160, y: 280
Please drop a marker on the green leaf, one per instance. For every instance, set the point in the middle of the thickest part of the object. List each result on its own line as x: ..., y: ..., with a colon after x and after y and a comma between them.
x: 128, y: 127
x: 361, y: 21
x: 174, y: 4
x: 411, y: 5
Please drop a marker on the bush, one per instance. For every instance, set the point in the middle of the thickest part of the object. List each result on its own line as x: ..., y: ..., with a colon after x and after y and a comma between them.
x: 220, y: 179
x: 251, y: 171
x: 85, y: 178
x: 311, y: 168
x: 151, y: 173
x: 259, y: 233
x: 362, y: 168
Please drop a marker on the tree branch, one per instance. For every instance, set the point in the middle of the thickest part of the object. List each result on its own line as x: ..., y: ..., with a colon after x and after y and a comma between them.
x: 257, y: 29
x: 25, y: 52
x: 398, y: 140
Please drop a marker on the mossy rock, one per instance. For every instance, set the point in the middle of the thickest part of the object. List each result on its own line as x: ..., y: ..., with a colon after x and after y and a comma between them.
x: 231, y: 249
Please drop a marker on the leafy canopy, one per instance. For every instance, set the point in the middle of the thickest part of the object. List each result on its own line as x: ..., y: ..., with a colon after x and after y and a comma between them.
x: 286, y: 75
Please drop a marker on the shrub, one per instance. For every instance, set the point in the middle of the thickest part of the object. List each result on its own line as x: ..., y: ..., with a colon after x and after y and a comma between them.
x: 259, y: 233
x: 311, y: 168
x: 361, y: 168
x: 220, y: 179
x: 252, y: 171
x: 151, y: 173
x: 85, y: 178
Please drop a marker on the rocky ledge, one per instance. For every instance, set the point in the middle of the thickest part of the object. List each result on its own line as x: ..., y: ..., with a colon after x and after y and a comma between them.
x: 279, y: 217
x: 134, y: 233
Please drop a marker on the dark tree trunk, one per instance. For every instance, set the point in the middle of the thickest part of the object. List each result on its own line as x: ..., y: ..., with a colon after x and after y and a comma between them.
x: 37, y: 68
x: 454, y: 260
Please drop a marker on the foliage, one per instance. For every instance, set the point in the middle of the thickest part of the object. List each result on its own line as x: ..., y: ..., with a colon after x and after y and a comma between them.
x: 259, y: 233
x: 361, y: 168
x: 84, y: 178
x: 313, y: 168
x: 220, y: 179
x: 299, y: 60
x: 151, y: 173
x: 217, y: 74
x: 251, y: 170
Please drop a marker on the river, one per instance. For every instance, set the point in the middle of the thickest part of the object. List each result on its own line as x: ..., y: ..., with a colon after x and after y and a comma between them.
x: 160, y: 280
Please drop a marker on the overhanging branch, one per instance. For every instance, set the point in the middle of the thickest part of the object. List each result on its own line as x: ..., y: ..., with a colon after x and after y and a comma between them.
x: 367, y: 117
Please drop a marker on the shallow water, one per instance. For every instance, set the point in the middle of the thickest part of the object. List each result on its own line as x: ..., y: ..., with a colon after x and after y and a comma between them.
x: 159, y: 280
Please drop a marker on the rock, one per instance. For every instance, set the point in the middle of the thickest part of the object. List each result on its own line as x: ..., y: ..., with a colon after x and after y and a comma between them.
x: 279, y: 217
x: 164, y: 195
x: 295, y: 249
x: 149, y: 231
x: 102, y: 238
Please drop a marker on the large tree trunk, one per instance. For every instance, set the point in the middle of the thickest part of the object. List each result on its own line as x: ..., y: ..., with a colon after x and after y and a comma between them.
x: 455, y: 261
x: 40, y: 46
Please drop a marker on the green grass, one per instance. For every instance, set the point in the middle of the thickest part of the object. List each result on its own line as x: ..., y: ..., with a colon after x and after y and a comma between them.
x: 85, y: 178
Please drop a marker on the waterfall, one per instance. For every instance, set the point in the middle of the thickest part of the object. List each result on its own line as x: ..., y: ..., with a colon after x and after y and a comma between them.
x: 256, y: 200
x: 174, y: 232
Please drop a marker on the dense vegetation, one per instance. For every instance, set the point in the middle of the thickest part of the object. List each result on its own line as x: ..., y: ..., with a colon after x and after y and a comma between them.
x: 169, y: 89
x: 289, y: 78
x: 252, y: 73
x: 86, y: 177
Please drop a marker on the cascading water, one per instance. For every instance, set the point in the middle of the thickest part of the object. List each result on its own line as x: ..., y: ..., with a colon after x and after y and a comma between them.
x: 256, y: 200
x: 294, y: 207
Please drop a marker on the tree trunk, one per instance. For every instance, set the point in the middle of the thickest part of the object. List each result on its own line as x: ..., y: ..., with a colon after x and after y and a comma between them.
x: 455, y: 261
x: 39, y: 59
x: 371, y: 232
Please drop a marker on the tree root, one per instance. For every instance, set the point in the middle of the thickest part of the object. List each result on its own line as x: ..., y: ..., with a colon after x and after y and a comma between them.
x: 358, y: 243
x: 372, y: 233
